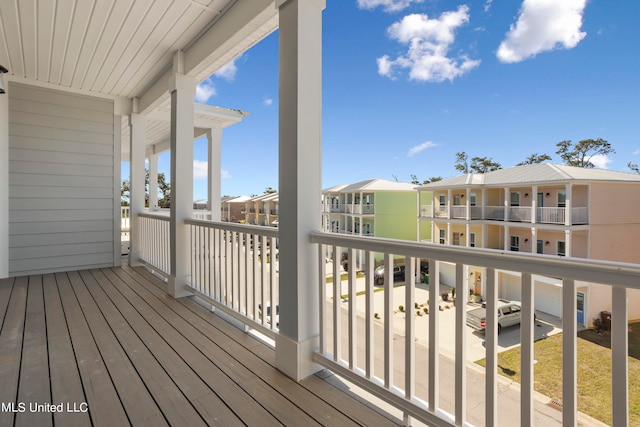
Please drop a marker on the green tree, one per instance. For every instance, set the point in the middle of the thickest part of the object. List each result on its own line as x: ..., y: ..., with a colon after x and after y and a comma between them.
x: 582, y: 153
x: 477, y: 164
x: 634, y: 167
x: 164, y: 189
x: 269, y: 190
x: 462, y: 162
x: 534, y: 159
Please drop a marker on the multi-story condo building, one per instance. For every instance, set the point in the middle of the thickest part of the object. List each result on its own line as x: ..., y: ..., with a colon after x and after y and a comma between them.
x: 375, y: 207
x: 545, y: 209
x: 233, y: 208
x: 263, y: 210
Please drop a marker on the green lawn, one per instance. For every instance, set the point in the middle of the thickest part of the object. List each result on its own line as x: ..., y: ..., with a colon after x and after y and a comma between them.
x: 594, y: 371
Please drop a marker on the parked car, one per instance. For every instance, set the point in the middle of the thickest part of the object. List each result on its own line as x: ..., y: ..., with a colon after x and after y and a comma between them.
x: 509, y: 314
x: 398, y: 272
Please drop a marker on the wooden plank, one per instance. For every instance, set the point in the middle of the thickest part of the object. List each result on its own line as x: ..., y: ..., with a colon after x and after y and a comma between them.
x: 169, y: 398
x: 246, y: 405
x: 343, y: 402
x: 6, y: 286
x: 11, y: 337
x: 33, y: 386
x: 66, y: 386
x: 230, y: 354
x: 133, y: 393
x: 105, y: 407
x: 154, y: 335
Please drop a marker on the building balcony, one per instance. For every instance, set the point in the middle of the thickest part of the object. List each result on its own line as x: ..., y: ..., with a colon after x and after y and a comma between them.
x: 544, y: 215
x: 235, y: 268
x: 110, y: 347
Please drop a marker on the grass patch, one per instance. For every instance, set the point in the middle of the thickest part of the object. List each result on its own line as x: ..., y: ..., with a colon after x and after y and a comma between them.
x: 345, y: 276
x: 594, y: 371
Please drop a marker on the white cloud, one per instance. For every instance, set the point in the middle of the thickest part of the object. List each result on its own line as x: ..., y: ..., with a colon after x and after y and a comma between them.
x: 543, y: 25
x: 420, y: 147
x: 227, y: 72
x: 224, y: 174
x: 601, y: 161
x: 204, y: 91
x: 387, y: 5
x: 200, y: 169
x: 267, y: 101
x: 429, y: 41
x: 487, y: 5
x: 635, y: 153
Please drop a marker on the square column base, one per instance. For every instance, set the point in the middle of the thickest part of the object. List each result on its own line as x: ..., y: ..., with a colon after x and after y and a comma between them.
x: 295, y: 359
x: 177, y: 288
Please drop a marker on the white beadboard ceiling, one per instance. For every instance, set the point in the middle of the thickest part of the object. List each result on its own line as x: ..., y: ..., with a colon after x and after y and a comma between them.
x: 125, y: 48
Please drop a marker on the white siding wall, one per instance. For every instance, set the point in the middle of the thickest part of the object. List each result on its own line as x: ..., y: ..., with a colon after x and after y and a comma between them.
x: 61, y: 181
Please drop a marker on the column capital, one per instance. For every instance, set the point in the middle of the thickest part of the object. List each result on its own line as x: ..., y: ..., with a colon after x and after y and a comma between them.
x: 321, y: 4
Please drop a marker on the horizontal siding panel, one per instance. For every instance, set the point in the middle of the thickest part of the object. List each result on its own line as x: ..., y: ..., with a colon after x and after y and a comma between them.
x: 60, y: 123
x: 73, y: 135
x: 43, y: 215
x: 24, y: 179
x: 59, y: 227
x: 30, y: 143
x: 60, y: 169
x: 60, y: 158
x: 61, y: 111
x: 63, y: 192
x: 52, y: 239
x: 56, y: 98
x: 58, y: 204
x: 60, y: 251
x: 53, y: 264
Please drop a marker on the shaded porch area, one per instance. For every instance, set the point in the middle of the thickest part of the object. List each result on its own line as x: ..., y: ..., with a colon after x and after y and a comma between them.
x: 110, y: 347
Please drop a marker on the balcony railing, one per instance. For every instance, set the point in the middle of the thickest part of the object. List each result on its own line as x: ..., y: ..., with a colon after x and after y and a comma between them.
x: 155, y: 241
x: 365, y: 350
x: 520, y: 213
x: 234, y: 267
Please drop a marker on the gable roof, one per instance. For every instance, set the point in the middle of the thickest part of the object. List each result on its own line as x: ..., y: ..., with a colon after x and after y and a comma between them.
x: 534, y: 175
x: 372, y: 185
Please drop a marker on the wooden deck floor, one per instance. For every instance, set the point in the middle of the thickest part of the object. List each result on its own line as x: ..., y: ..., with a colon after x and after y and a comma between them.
x: 110, y: 347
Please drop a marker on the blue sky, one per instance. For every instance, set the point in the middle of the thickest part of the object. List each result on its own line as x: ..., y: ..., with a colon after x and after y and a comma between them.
x: 409, y: 83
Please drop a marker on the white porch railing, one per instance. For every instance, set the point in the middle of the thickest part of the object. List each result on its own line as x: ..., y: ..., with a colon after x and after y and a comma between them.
x: 234, y: 267
x: 520, y: 213
x: 458, y: 212
x: 494, y: 212
x: 425, y: 211
x: 347, y: 343
x: 155, y: 241
x: 579, y: 216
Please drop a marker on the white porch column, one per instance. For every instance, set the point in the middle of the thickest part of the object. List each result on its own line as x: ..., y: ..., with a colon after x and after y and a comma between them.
x: 300, y: 182
x: 534, y: 204
x: 534, y: 240
x: 568, y: 220
x: 214, y: 139
x: 137, y: 137
x: 182, y: 92
x: 153, y: 180
x: 4, y: 183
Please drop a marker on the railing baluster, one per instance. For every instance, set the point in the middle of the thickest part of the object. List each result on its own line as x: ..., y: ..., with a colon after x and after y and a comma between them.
x: 619, y: 357
x: 369, y: 313
x: 337, y: 301
x: 409, y: 339
x: 322, y: 281
x: 462, y: 290
x: 527, y: 339
x: 434, y: 335
x: 491, y: 349
x: 273, y: 297
x: 388, y: 321
x: 353, y: 337
x: 569, y: 353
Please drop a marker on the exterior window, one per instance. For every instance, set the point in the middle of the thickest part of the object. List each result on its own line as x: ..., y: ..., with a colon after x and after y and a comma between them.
x: 540, y: 246
x: 367, y: 228
x: 561, y: 248
x: 562, y: 199
x: 441, y: 200
x: 472, y: 240
x: 456, y: 239
x: 515, y: 199
x: 515, y: 243
x: 442, y: 237
x: 473, y: 199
